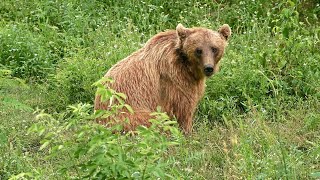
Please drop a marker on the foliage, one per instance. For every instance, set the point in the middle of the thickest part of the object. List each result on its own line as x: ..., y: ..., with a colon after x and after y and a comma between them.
x: 22, y: 54
x: 98, y: 152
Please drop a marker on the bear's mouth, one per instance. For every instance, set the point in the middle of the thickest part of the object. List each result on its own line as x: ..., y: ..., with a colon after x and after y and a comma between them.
x: 208, y: 74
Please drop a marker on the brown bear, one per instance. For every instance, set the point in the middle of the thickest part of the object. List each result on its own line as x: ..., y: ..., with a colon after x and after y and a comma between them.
x: 169, y: 71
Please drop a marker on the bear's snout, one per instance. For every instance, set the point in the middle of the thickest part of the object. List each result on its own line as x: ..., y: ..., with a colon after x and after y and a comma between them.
x: 208, y: 70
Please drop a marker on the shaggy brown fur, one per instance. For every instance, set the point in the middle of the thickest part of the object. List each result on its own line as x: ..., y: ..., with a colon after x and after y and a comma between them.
x: 169, y: 71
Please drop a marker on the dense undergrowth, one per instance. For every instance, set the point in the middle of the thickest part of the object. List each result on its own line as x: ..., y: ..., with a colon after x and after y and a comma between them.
x: 259, y: 118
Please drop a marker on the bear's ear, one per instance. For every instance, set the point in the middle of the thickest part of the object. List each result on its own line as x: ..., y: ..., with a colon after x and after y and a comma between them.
x: 225, y: 31
x: 182, y: 31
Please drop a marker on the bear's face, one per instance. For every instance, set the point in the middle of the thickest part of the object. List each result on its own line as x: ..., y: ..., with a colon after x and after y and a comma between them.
x: 203, y: 48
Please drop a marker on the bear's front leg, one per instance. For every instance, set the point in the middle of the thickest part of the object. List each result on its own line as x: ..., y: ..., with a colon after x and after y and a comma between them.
x: 186, y: 125
x: 185, y: 119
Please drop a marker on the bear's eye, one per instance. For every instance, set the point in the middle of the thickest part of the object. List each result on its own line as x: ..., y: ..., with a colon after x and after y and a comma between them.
x: 214, y: 50
x: 198, y: 52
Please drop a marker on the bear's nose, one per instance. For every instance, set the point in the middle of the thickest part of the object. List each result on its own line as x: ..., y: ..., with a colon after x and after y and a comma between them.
x: 208, y: 70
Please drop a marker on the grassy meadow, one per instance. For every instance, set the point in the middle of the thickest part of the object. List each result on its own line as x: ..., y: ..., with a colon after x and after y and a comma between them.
x: 259, y: 118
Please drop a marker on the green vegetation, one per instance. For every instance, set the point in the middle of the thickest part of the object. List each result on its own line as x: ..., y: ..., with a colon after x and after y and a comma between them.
x: 259, y: 119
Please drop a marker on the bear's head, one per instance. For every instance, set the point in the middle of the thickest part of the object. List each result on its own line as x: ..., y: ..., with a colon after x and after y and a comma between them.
x: 201, y: 49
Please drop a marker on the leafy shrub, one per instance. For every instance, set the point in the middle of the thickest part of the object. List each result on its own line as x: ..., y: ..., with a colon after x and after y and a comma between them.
x: 73, y: 80
x: 21, y: 53
x: 97, y: 152
x: 26, y: 53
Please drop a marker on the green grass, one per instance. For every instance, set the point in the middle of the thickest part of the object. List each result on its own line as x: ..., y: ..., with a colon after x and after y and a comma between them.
x: 19, y: 151
x: 259, y: 119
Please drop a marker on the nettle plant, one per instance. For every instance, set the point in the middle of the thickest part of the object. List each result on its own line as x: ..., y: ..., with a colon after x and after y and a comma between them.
x: 96, y: 152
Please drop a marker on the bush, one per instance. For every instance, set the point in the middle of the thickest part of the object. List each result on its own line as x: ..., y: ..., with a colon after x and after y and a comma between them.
x: 73, y: 80
x: 94, y: 151
x: 22, y: 53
